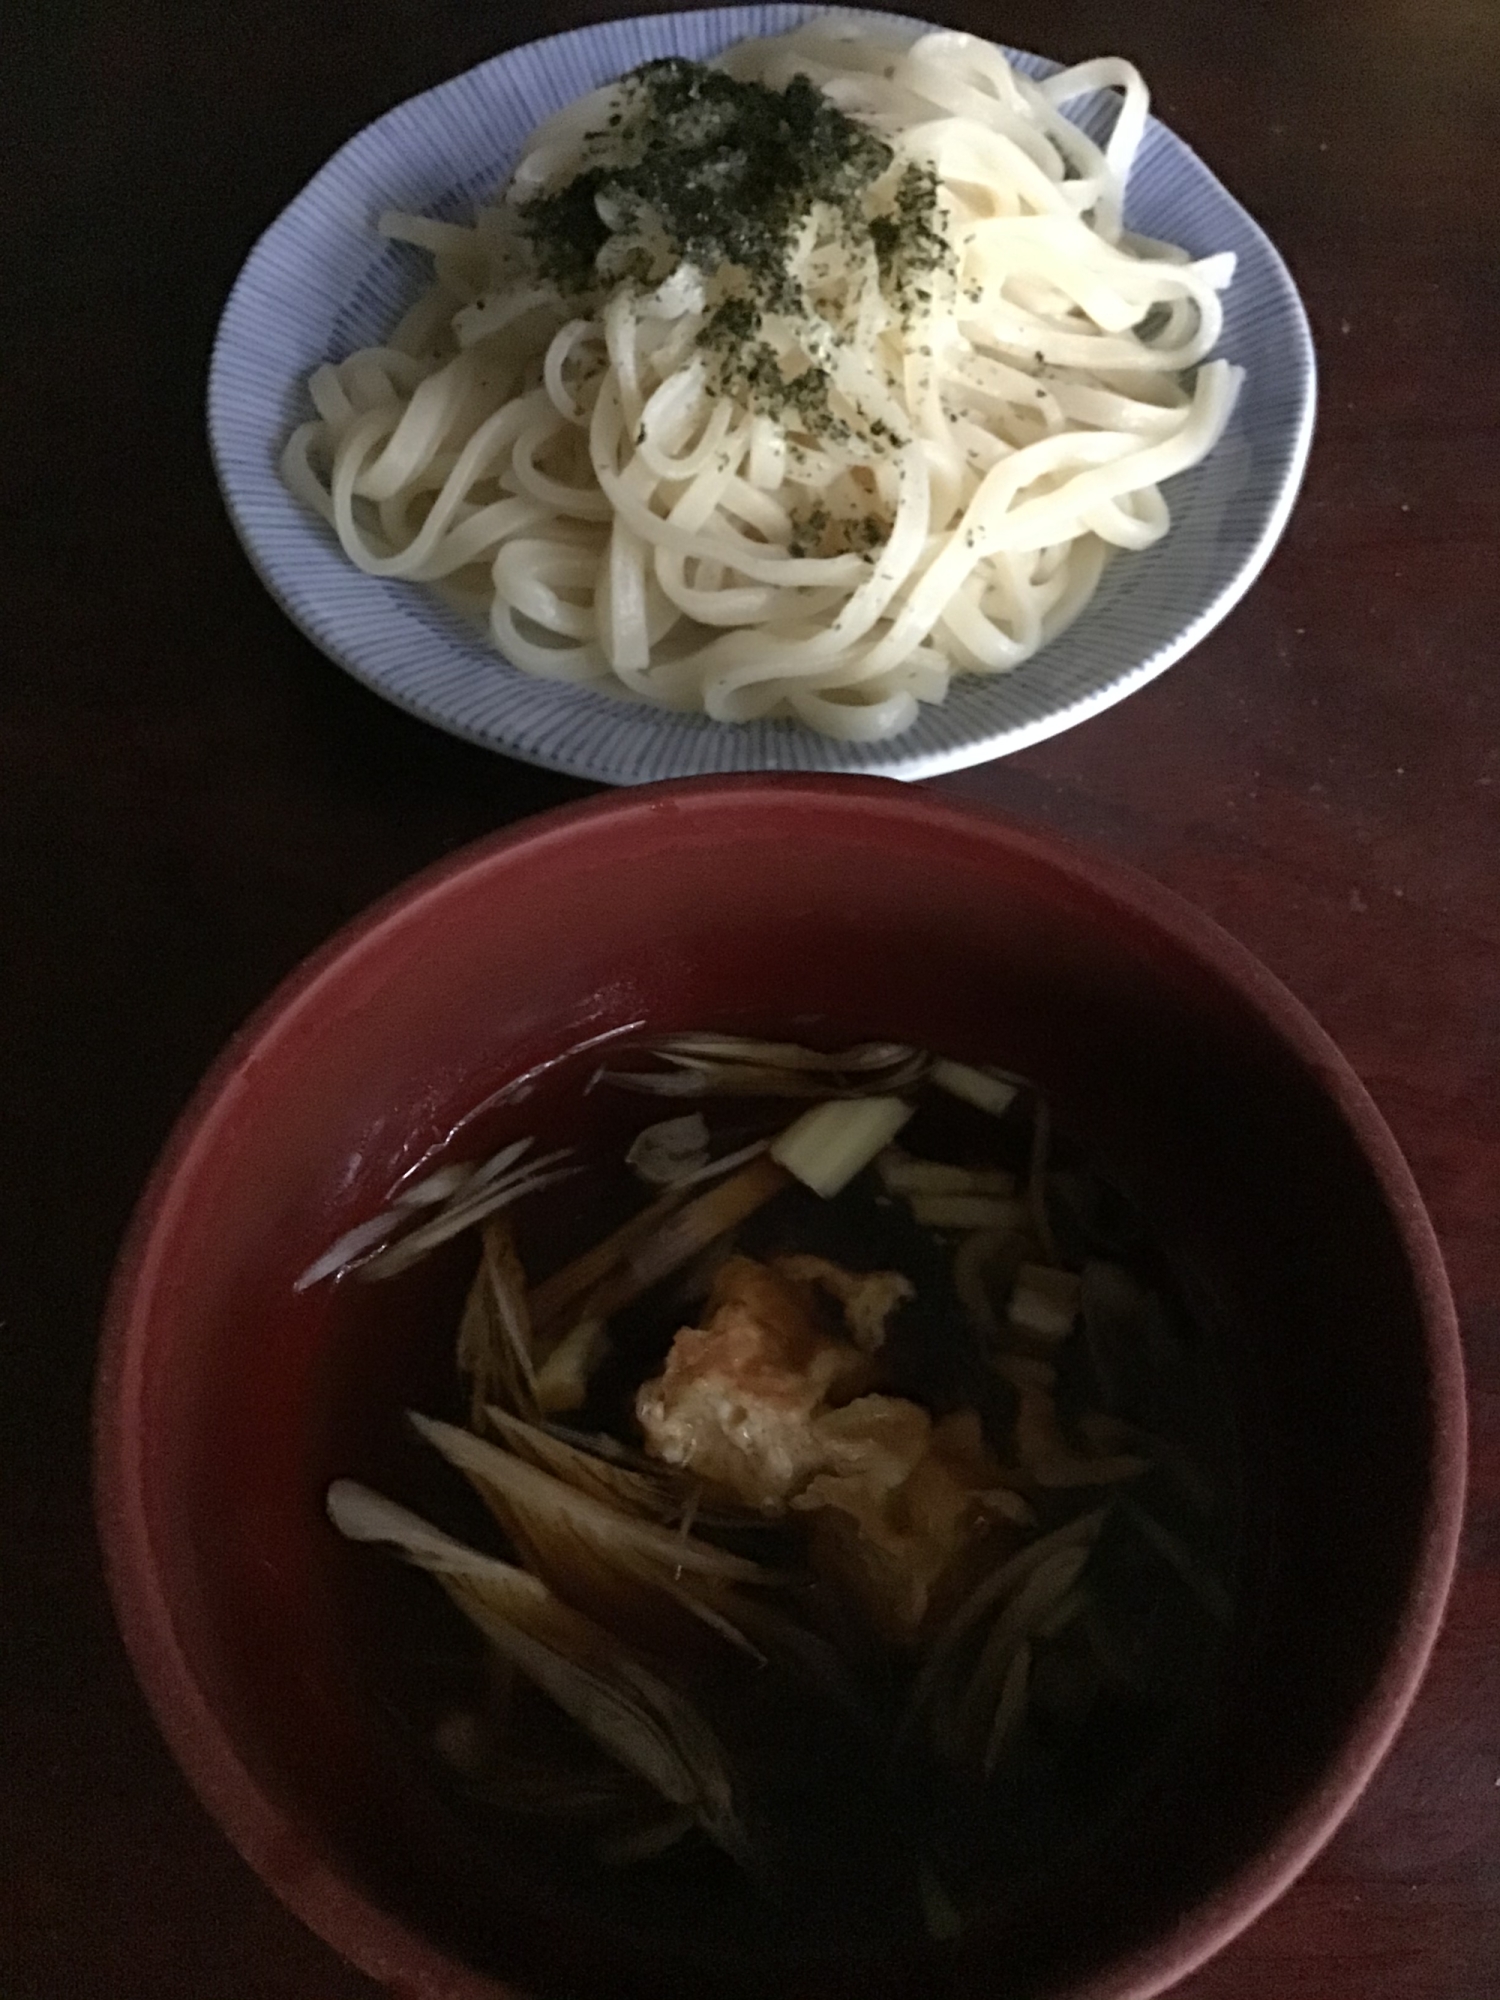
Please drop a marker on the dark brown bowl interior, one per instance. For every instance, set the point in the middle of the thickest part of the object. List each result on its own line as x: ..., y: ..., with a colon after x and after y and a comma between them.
x: 836, y: 909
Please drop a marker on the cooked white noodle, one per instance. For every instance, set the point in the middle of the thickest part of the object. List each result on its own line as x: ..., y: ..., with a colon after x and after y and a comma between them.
x: 628, y: 505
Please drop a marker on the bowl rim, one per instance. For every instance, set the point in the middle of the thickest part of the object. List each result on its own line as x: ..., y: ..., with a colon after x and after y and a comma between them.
x: 440, y: 689
x: 286, y: 1854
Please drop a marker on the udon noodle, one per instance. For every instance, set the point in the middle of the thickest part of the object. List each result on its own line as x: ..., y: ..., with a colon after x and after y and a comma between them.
x: 788, y: 386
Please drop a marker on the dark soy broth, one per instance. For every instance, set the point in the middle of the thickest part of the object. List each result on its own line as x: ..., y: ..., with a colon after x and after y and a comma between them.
x: 857, y: 1819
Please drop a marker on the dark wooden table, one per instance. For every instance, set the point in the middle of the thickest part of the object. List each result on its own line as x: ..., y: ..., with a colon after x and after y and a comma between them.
x: 192, y: 797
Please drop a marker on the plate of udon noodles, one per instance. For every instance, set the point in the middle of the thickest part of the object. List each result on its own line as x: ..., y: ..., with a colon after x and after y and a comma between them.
x: 762, y: 388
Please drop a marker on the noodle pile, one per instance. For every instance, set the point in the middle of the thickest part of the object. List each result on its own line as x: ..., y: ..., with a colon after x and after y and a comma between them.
x: 790, y: 386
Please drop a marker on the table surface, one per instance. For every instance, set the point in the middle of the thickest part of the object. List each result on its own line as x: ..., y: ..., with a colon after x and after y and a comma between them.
x: 192, y: 798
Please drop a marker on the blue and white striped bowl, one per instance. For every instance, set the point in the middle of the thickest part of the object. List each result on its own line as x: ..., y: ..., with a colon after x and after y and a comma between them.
x: 321, y: 282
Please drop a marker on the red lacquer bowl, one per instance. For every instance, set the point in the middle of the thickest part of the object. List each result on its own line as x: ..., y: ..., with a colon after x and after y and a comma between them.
x: 226, y: 1402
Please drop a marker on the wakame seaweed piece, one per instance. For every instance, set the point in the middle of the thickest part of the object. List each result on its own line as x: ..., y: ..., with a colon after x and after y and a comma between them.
x: 1090, y: 1218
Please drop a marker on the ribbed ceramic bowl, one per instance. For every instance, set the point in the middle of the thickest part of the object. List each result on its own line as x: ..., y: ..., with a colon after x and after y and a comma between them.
x: 321, y: 282
x: 841, y: 908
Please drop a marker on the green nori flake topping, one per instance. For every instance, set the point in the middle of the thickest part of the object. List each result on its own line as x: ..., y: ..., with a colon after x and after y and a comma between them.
x: 696, y: 166
x: 819, y: 533
x: 909, y: 244
x: 725, y: 169
x: 566, y: 230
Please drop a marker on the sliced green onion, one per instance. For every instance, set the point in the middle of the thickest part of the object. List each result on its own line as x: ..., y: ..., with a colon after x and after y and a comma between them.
x: 969, y: 1211
x: 827, y: 1146
x: 667, y: 1152
x: 1045, y: 1301
x: 902, y: 1173
x: 979, y: 1087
